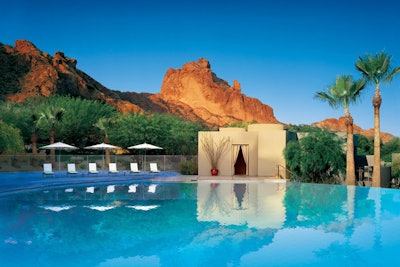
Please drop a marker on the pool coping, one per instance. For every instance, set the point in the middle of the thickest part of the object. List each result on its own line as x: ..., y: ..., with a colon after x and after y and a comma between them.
x: 45, y: 182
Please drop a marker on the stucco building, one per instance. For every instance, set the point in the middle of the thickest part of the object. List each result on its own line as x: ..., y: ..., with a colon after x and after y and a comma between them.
x: 257, y: 151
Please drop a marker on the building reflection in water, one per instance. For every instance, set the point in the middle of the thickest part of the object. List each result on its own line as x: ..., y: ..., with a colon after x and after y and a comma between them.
x: 257, y: 205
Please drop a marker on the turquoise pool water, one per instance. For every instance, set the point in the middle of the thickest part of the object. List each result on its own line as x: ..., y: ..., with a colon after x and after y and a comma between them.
x: 241, y: 223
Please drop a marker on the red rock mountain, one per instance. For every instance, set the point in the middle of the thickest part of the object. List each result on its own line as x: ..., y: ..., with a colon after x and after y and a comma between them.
x: 197, y: 89
x: 193, y: 92
x: 338, y: 125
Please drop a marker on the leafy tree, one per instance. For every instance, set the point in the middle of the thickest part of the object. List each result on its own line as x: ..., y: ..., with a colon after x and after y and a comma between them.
x: 377, y: 69
x: 365, y: 145
x: 393, y: 146
x: 396, y: 169
x: 341, y: 94
x: 10, y: 139
x: 33, y: 121
x: 300, y: 128
x: 23, y: 116
x: 183, y: 136
x: 318, y: 157
x: 175, y: 135
x: 79, y: 116
x: 51, y: 116
x: 36, y: 117
x: 131, y: 129
x: 104, y: 124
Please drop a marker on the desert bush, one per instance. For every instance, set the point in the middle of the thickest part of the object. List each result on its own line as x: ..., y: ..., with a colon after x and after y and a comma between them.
x: 189, y: 167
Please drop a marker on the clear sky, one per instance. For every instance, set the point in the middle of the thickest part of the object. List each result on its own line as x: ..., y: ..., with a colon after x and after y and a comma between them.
x: 281, y: 52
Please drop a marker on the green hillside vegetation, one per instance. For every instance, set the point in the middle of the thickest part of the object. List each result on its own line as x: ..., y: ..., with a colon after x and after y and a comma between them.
x: 76, y: 125
x: 10, y: 139
x: 76, y: 121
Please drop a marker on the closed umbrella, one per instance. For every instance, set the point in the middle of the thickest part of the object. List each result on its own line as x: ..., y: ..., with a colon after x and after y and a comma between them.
x: 145, y: 146
x: 102, y: 146
x: 59, y: 146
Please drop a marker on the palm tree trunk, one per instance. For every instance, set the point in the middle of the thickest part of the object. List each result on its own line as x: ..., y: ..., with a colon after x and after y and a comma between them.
x: 52, y: 151
x: 376, y: 177
x: 107, y: 152
x: 34, y: 139
x: 350, y: 166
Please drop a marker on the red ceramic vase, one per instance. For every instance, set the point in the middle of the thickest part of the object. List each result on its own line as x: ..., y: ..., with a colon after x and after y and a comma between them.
x: 214, y: 172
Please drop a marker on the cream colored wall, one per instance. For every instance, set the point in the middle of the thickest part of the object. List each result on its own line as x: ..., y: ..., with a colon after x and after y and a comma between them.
x: 270, y: 154
x: 225, y: 167
x: 272, y: 140
x: 265, y: 142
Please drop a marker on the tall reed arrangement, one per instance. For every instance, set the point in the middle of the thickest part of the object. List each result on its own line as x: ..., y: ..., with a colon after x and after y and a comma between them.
x: 214, y: 148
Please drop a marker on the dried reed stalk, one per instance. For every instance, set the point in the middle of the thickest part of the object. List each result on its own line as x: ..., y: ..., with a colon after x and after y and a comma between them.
x: 214, y: 149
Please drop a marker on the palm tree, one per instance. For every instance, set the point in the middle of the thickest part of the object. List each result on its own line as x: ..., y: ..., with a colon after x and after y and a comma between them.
x: 52, y: 115
x: 34, y: 120
x: 376, y: 69
x: 343, y: 93
x: 104, y: 124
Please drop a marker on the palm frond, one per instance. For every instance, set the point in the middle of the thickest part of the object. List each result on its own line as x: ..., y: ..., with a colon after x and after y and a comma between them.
x: 326, y: 98
x: 343, y: 92
x: 376, y: 68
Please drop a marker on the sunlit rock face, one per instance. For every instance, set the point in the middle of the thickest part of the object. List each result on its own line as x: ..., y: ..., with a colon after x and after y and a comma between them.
x: 192, y: 92
x: 338, y: 125
x: 45, y: 75
x: 210, y: 98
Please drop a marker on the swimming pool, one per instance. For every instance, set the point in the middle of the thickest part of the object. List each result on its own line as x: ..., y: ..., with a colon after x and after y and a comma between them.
x: 204, y: 223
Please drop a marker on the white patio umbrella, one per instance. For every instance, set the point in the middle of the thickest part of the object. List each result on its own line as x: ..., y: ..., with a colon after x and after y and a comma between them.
x: 145, y: 146
x: 102, y: 146
x: 59, y: 146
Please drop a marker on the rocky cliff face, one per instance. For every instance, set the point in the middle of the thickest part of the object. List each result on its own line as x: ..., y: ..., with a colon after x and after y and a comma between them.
x: 47, y: 75
x: 193, y: 92
x: 196, y: 88
x: 338, y: 125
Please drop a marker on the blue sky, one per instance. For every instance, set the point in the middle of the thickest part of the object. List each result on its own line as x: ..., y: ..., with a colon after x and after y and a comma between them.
x: 281, y: 52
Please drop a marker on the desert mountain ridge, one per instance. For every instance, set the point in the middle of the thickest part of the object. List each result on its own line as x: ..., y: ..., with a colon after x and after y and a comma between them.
x: 192, y: 92
x: 338, y: 125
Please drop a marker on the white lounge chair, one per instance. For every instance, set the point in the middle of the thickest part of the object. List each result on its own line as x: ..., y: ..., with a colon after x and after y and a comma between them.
x: 153, y: 167
x: 93, y: 168
x: 71, y: 168
x: 134, y: 168
x: 48, y: 169
x: 112, y: 168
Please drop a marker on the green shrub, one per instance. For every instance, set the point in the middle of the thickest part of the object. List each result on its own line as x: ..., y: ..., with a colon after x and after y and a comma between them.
x: 317, y: 158
x: 10, y: 139
x: 189, y: 167
x: 396, y: 168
